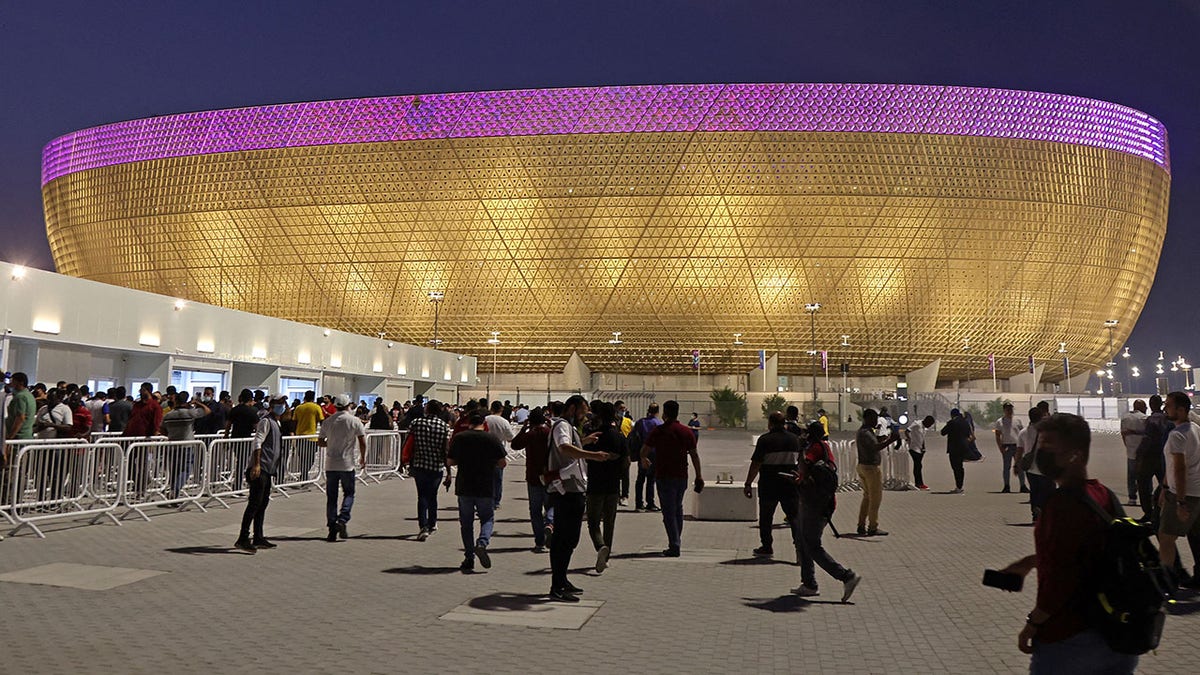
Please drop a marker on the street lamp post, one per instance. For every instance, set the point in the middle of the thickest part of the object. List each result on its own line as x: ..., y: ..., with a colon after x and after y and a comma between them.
x: 436, y: 298
x: 812, y: 308
x: 1128, y: 373
x: 494, y: 341
x: 616, y: 342
x: 1062, y: 349
x: 1110, y: 364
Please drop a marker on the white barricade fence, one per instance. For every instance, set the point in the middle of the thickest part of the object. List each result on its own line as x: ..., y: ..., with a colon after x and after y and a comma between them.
x: 846, y: 455
x: 897, y: 472
x: 301, y: 464
x: 47, y: 481
x: 164, y: 474
x: 98, y: 436
x: 225, y: 469
x: 383, y: 456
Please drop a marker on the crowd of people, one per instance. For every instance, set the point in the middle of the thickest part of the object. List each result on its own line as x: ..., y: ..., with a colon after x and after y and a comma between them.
x: 580, y: 458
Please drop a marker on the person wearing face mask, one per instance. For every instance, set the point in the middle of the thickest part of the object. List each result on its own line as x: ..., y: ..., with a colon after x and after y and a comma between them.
x: 214, y: 421
x: 267, y: 443
x: 1068, y: 540
x: 144, y: 421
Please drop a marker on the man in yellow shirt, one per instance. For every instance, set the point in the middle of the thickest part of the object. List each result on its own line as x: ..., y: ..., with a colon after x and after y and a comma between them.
x: 824, y: 420
x: 307, y: 415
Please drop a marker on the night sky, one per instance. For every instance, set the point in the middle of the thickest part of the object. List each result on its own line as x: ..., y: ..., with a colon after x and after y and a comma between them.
x: 67, y: 65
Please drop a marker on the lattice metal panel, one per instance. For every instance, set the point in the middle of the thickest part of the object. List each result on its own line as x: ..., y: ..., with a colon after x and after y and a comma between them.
x: 661, y: 215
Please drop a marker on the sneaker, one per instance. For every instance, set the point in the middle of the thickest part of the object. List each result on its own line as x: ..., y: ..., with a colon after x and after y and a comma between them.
x: 467, y: 566
x: 539, y: 549
x: 601, y: 559
x: 653, y: 509
x: 763, y: 552
x: 807, y: 591
x: 849, y: 585
x: 862, y: 529
x: 1005, y: 491
x: 422, y: 535
x: 244, y: 544
x: 1024, y: 490
x: 433, y: 529
x: 332, y: 537
x: 876, y: 532
x: 342, y: 531
x: 482, y: 553
x: 548, y: 534
x: 670, y: 553
x: 624, y: 501
x: 922, y: 486
x: 639, y: 509
x: 562, y: 596
x: 957, y: 491
x: 572, y: 589
x: 263, y: 542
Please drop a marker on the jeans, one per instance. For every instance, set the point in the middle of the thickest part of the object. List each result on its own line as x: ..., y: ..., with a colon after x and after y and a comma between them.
x: 428, y: 483
x: 773, y: 491
x: 602, y: 511
x: 179, y: 462
x: 670, y: 498
x: 1150, y: 465
x: 1040, y: 489
x: 541, y: 513
x: 498, y: 486
x: 1131, y: 483
x: 644, y: 485
x: 871, y: 478
x: 812, y: 525
x: 956, y: 465
x: 917, y: 459
x: 1084, y: 652
x: 256, y: 505
x: 332, y: 480
x: 467, y: 508
x: 625, y: 482
x: 568, y: 520
x: 1007, y: 452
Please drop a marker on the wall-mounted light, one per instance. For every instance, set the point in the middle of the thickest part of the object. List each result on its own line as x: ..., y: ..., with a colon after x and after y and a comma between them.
x: 18, y: 272
x: 149, y: 340
x: 335, y: 361
x: 179, y: 304
x: 258, y: 352
x: 325, y: 332
x: 47, y: 325
x: 205, y: 346
x: 304, y: 358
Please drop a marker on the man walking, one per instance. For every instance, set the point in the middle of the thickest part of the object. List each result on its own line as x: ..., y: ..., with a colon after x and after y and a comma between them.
x: 1008, y: 431
x: 498, y: 426
x: 431, y: 436
x: 958, y: 436
x: 534, y: 439
x: 644, y: 453
x: 1180, y: 502
x: 672, y: 444
x: 776, y: 456
x: 916, y: 448
x: 476, y: 453
x: 1150, y: 460
x: 566, y: 480
x: 268, y: 440
x: 307, y: 416
x: 340, y: 435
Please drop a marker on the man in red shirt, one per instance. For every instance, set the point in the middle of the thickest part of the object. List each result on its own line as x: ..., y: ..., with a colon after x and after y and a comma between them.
x: 145, y: 420
x: 671, y: 443
x: 1068, y: 537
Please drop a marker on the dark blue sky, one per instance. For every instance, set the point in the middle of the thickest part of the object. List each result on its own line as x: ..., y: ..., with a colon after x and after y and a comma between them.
x: 66, y: 65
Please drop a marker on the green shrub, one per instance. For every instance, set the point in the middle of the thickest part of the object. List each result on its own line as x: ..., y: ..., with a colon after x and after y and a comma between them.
x: 730, y: 407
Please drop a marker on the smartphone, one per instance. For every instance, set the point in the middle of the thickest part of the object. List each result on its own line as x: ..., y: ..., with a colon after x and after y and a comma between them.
x: 787, y: 474
x: 1005, y: 581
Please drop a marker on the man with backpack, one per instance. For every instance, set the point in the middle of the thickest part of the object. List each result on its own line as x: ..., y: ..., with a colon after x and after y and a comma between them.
x: 817, y: 479
x: 1077, y: 540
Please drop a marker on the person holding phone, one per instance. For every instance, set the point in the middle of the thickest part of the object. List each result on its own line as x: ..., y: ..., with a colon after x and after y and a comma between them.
x: 776, y: 455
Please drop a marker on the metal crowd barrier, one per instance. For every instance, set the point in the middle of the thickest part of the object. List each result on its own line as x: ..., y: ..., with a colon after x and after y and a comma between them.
x: 164, y: 474
x: 897, y: 470
x: 383, y: 456
x: 225, y: 469
x: 47, y: 481
x: 301, y: 464
x: 845, y: 453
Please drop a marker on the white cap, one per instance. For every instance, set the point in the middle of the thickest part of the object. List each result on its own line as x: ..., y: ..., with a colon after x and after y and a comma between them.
x: 341, y: 400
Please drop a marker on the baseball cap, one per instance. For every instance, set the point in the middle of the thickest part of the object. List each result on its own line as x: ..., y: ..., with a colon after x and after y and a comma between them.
x: 341, y: 400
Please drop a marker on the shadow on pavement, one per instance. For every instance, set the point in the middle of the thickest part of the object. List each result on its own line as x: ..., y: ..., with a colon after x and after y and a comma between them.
x: 589, y: 571
x: 206, y: 550
x: 512, y: 602
x: 421, y: 570
x: 788, y: 603
x: 756, y: 561
x: 640, y: 555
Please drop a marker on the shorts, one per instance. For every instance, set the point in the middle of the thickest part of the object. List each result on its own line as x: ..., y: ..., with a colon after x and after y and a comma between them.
x: 1169, y: 521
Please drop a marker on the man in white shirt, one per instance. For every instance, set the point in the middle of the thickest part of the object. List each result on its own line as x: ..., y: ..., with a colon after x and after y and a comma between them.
x: 1008, y: 433
x: 1040, y: 487
x: 1133, y: 430
x: 1180, y: 502
x: 339, y: 434
x: 916, y: 447
x: 502, y: 431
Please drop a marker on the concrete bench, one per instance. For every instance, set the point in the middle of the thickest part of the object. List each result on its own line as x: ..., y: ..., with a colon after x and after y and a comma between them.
x: 725, y: 501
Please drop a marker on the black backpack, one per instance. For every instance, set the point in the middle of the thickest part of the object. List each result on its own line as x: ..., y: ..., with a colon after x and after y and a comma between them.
x: 819, y: 487
x: 1128, y: 586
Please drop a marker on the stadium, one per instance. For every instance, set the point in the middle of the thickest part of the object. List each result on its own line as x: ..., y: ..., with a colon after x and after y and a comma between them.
x: 927, y: 222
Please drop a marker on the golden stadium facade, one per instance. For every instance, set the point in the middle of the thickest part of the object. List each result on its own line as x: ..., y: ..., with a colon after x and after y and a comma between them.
x: 923, y: 219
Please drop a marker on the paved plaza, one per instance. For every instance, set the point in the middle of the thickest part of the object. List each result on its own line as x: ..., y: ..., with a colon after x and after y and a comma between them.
x: 172, y: 596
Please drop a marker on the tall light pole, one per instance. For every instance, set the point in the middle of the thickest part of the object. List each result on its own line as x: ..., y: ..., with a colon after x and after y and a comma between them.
x: 1062, y: 349
x: 1109, y: 326
x: 1128, y: 378
x: 436, y: 298
x: 616, y: 342
x: 812, y: 308
x: 494, y: 341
